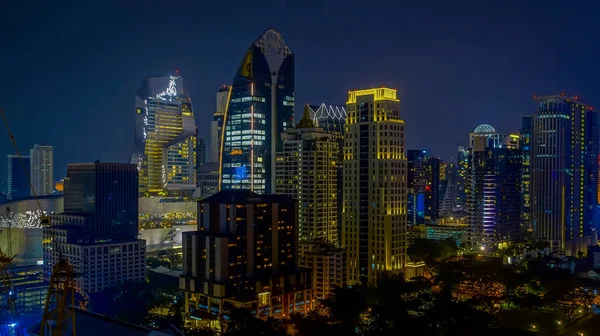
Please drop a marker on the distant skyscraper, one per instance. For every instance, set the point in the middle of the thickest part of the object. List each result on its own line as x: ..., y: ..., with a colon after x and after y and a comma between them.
x: 493, y: 193
x: 165, y: 138
x: 200, y: 153
x: 306, y: 170
x: 248, y: 261
x: 450, y: 195
x: 493, y: 139
x: 216, y: 125
x: 207, y: 180
x: 461, y: 175
x: 443, y: 187
x: 98, y: 229
x: 563, y: 145
x: 525, y: 145
x: 42, y: 169
x: 260, y: 108
x: 423, y: 187
x: 374, y: 228
x: 18, y: 177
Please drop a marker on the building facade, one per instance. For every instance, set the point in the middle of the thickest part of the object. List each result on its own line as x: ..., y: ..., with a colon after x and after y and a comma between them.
x: 525, y: 146
x: 306, y: 169
x: 493, y: 194
x: 165, y: 138
x: 374, y: 230
x: 243, y: 255
x: 562, y: 183
x: 207, y: 180
x: 216, y: 125
x: 260, y: 107
x: 18, y: 177
x: 423, y: 187
x: 42, y: 169
x: 97, y: 232
x: 200, y: 153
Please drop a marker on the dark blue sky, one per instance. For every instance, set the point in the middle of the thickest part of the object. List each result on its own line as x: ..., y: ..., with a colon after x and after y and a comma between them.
x: 69, y: 71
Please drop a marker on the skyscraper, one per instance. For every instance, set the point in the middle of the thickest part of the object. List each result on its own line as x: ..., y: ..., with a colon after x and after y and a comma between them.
x: 248, y: 261
x: 493, y: 192
x: 461, y: 173
x: 165, y: 138
x: 374, y: 231
x: 525, y: 146
x: 260, y: 107
x: 423, y: 187
x: 18, y: 177
x: 42, y: 169
x: 306, y: 169
x: 216, y: 125
x: 97, y: 232
x: 562, y: 146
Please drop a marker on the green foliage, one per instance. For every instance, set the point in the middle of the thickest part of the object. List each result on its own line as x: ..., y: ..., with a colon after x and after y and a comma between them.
x: 430, y: 251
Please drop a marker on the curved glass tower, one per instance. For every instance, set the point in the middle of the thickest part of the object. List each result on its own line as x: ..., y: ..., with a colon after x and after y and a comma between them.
x: 165, y: 138
x: 260, y: 107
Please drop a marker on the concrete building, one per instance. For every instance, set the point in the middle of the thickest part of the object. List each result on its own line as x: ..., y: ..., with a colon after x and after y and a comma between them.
x: 374, y: 230
x: 306, y: 169
x: 42, y: 169
x: 97, y: 232
x: 207, y: 180
x: 244, y: 255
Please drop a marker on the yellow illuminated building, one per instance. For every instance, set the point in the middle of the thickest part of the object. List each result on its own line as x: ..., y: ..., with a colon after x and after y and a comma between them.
x: 374, y: 201
x: 165, y: 141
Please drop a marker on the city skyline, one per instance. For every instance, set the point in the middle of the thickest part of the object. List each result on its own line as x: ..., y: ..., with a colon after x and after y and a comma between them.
x: 454, y: 84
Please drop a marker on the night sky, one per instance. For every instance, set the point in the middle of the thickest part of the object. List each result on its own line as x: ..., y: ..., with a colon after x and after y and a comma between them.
x: 69, y: 71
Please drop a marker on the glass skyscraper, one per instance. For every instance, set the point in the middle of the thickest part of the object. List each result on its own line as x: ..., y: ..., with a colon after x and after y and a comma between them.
x: 165, y: 138
x: 18, y: 177
x: 260, y: 107
x: 563, y: 172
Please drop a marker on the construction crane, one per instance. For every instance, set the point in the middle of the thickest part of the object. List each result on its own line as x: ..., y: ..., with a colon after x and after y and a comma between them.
x: 61, y: 317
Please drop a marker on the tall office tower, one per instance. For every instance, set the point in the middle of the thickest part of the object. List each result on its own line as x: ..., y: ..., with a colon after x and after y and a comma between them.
x: 423, y: 187
x: 42, y: 169
x: 493, y: 193
x: 260, y: 108
x: 306, y: 170
x: 216, y: 125
x: 461, y: 173
x: 165, y: 138
x: 374, y: 228
x: 561, y: 150
x: 332, y: 119
x: 244, y: 255
x: 18, y: 177
x: 200, y: 153
x: 98, y: 229
x: 525, y: 145
x: 593, y: 137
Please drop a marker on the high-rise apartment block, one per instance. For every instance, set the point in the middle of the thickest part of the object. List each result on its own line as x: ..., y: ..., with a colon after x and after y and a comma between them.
x: 375, y: 182
x: 165, y: 138
x: 423, y: 187
x: 243, y: 255
x: 307, y: 170
x: 563, y: 172
x: 42, y: 169
x: 260, y: 108
x: 97, y: 232
x: 525, y: 146
x: 216, y: 125
x: 18, y: 177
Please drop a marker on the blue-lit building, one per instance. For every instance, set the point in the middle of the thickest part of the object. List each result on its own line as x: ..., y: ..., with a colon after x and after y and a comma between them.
x: 18, y: 177
x: 564, y: 172
x: 525, y: 146
x: 493, y: 193
x: 423, y: 187
x: 97, y: 232
x: 260, y: 107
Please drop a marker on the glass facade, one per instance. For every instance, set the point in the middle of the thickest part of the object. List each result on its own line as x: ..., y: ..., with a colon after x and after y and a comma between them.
x: 165, y: 138
x: 260, y: 108
x: 18, y: 177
